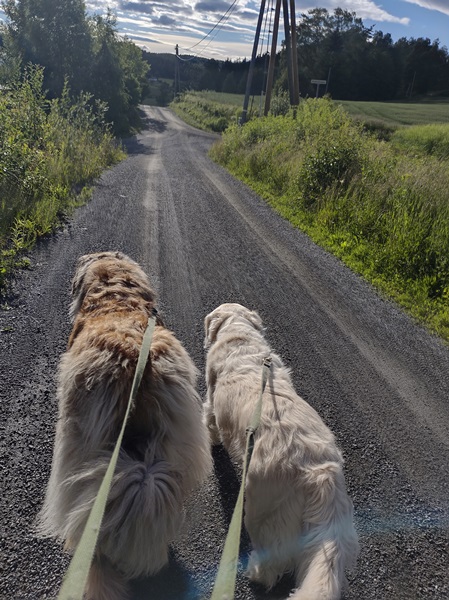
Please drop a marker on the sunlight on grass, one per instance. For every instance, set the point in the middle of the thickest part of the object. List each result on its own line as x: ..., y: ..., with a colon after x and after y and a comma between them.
x: 382, y: 208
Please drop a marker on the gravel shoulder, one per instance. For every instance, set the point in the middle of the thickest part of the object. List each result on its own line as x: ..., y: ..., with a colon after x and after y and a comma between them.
x: 380, y: 381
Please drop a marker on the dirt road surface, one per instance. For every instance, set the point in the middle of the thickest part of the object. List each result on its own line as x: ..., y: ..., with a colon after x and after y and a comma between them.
x: 378, y: 380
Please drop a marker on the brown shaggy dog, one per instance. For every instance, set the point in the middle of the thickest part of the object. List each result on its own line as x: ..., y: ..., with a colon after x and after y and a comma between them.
x: 165, y: 452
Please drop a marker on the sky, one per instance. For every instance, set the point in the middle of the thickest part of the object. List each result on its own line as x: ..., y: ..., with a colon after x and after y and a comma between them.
x: 158, y: 26
x: 225, y: 29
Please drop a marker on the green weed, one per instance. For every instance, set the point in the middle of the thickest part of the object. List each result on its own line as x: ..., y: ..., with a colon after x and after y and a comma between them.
x: 424, y: 140
x: 48, y: 152
x: 382, y: 209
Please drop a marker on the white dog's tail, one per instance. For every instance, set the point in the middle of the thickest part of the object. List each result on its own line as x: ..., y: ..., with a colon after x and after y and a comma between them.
x: 330, y: 542
x: 104, y: 582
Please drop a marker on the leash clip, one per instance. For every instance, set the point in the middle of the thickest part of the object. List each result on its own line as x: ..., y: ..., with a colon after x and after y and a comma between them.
x: 267, y: 361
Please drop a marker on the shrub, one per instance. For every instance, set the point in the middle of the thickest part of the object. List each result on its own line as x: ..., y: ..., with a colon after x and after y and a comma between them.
x: 380, y: 206
x: 280, y: 104
x: 47, y: 151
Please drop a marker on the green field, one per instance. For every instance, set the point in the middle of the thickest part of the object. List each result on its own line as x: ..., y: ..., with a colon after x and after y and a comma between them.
x: 391, y: 113
x: 397, y: 114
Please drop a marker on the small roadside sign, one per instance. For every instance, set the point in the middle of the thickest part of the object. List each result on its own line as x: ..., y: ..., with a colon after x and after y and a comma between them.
x: 318, y: 82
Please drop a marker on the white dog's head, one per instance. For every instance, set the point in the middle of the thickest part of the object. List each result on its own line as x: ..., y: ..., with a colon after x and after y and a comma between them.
x: 222, y: 314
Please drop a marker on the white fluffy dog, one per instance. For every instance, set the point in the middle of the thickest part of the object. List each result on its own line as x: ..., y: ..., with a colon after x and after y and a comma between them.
x: 165, y: 452
x: 297, y: 511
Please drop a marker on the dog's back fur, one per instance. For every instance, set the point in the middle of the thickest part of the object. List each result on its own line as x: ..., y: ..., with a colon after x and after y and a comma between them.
x: 165, y: 451
x: 297, y: 512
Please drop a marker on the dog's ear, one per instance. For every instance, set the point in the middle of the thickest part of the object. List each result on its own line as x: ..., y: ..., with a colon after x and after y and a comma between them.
x: 79, y: 285
x: 255, y: 320
x: 212, y: 324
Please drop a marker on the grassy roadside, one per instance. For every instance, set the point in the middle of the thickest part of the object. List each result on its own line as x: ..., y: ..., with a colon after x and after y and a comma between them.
x: 382, y: 208
x: 198, y: 110
x: 196, y: 107
x: 49, y: 153
x: 212, y: 111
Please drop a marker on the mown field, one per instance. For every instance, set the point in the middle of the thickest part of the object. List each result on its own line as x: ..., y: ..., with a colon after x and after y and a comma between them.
x: 392, y: 114
x: 397, y: 114
x: 380, y: 204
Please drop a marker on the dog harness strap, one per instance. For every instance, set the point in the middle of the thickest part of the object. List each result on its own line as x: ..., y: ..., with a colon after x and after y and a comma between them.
x: 75, y: 579
x: 224, y: 587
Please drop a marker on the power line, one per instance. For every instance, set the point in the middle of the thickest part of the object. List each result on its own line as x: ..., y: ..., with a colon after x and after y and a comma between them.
x: 200, y: 53
x: 215, y: 26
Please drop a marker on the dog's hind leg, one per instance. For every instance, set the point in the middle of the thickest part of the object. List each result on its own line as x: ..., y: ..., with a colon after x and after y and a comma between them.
x: 273, y: 522
x: 104, y: 582
x: 211, y: 423
x: 328, y: 542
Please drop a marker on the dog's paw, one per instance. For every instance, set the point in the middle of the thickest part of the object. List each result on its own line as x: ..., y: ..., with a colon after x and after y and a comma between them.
x: 253, y: 568
x: 261, y: 572
x: 214, y: 435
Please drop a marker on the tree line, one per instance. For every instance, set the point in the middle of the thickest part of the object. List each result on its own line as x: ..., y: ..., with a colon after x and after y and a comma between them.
x: 82, y: 53
x: 357, y: 62
x: 362, y: 64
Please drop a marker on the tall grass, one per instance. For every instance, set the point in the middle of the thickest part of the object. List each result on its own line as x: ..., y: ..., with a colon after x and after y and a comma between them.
x: 198, y: 110
x: 48, y: 151
x: 382, y: 210
x: 424, y: 140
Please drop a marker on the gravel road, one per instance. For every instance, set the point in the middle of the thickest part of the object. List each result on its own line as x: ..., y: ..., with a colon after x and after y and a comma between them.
x: 378, y: 380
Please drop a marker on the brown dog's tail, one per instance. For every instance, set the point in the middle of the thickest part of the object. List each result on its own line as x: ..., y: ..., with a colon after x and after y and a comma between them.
x: 104, y: 582
x: 143, y: 515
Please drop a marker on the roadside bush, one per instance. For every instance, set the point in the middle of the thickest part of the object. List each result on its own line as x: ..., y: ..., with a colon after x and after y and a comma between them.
x: 48, y: 150
x: 383, y: 208
x: 280, y: 104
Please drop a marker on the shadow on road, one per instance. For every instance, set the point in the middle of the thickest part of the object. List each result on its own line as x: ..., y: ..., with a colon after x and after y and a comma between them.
x: 134, y: 146
x: 155, y: 125
x: 174, y: 582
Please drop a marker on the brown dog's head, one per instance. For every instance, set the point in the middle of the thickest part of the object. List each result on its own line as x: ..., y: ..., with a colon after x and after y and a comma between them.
x: 108, y: 270
x: 218, y: 317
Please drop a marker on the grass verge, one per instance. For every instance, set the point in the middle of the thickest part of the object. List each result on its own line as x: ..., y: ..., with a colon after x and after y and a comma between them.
x: 49, y: 153
x: 382, y: 208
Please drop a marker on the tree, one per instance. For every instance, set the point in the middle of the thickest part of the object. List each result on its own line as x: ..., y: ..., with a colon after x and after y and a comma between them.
x: 86, y: 54
x: 118, y: 72
x: 53, y: 34
x: 336, y: 42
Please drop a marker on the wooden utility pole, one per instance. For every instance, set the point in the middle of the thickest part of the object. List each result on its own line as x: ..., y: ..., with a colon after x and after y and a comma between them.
x: 294, y: 55
x: 288, y: 49
x: 252, y: 63
x: 176, y: 83
x: 272, y: 62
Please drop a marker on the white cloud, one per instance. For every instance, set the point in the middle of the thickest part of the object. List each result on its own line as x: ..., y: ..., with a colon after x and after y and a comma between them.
x: 160, y: 23
x: 365, y: 9
x: 439, y: 5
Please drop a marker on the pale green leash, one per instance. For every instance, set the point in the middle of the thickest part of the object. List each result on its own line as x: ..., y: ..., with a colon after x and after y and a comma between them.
x: 224, y: 587
x: 75, y: 579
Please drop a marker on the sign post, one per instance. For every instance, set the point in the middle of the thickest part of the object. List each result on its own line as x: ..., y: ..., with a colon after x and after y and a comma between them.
x: 318, y: 82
